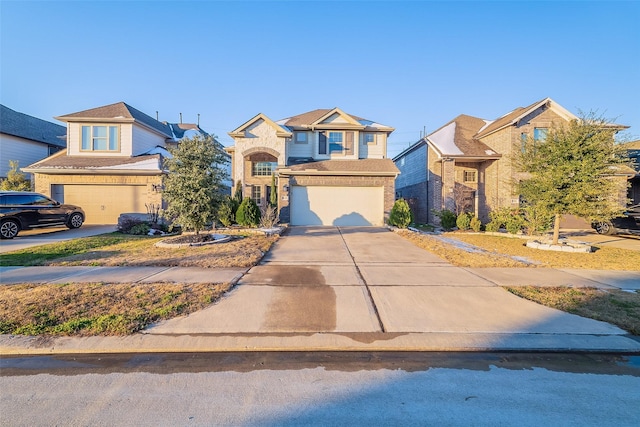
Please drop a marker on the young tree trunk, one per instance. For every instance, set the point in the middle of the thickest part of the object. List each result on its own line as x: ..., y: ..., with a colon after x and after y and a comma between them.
x: 556, y: 229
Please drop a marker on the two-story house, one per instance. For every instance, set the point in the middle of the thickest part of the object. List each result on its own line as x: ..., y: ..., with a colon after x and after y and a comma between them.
x: 466, y: 164
x: 27, y: 139
x: 331, y: 167
x: 113, y: 163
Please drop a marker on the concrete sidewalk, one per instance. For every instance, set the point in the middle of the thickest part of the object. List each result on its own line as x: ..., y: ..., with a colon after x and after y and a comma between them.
x: 347, y: 289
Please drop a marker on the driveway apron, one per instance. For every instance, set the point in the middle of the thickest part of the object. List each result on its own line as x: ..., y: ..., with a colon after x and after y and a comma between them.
x: 370, y: 280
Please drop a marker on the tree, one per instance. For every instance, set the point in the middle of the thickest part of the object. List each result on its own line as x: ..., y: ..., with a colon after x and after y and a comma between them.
x: 194, y: 183
x: 15, y: 180
x: 273, y: 197
x: 570, y: 172
x: 248, y: 214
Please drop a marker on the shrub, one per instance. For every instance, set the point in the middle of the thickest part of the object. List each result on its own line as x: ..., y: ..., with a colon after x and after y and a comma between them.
x: 511, y: 219
x: 225, y: 212
x: 463, y: 222
x: 401, y: 215
x: 476, y: 224
x: 447, y: 219
x: 248, y: 213
x: 126, y: 223
x: 141, y: 229
x: 269, y: 216
x: 537, y: 219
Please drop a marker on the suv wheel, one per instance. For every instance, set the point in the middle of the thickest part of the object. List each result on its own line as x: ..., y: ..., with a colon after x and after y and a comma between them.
x: 75, y: 221
x: 9, y: 229
x: 604, y: 228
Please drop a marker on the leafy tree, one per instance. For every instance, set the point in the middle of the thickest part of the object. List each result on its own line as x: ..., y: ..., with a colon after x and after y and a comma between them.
x: 400, y: 215
x: 193, y: 187
x: 570, y: 172
x: 15, y: 180
x: 248, y: 213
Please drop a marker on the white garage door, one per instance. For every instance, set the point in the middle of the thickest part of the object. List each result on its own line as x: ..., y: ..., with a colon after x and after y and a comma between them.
x: 337, y: 205
x: 103, y: 204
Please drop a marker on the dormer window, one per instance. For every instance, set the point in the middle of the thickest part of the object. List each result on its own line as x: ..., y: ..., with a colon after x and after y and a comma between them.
x: 100, y: 138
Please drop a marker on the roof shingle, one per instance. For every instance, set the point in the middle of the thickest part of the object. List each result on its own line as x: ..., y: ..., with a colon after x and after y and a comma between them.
x: 28, y: 127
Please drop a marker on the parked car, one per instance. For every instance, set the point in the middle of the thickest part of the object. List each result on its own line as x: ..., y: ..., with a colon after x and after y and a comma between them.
x: 629, y: 223
x: 22, y: 210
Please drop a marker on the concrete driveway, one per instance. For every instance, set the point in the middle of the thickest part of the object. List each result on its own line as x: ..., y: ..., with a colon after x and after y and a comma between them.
x: 43, y: 236
x: 354, y: 281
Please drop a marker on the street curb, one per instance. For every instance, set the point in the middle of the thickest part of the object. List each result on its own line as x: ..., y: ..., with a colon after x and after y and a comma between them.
x: 338, y: 342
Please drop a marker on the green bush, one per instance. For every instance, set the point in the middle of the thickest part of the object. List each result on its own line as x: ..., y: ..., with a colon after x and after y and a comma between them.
x: 511, y: 219
x: 463, y: 222
x: 537, y: 219
x: 225, y: 212
x: 447, y: 219
x: 401, y: 215
x: 141, y: 229
x: 476, y: 224
x: 248, y: 213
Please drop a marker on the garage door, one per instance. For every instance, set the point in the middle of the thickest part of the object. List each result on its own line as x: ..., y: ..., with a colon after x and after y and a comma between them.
x: 103, y: 204
x: 337, y: 205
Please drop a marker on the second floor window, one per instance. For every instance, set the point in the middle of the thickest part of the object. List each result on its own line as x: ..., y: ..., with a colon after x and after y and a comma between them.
x: 539, y: 134
x: 335, y: 142
x: 100, y: 138
x: 263, y: 168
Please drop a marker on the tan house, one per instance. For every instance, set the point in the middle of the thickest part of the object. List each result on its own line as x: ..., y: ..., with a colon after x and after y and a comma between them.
x: 465, y: 164
x: 112, y: 164
x: 331, y: 167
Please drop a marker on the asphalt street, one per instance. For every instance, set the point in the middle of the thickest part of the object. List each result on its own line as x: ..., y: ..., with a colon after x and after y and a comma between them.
x: 321, y: 389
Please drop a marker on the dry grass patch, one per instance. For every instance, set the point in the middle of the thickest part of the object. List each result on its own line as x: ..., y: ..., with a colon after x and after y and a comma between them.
x: 604, y: 258
x: 141, y: 251
x: 613, y: 306
x: 459, y: 257
x: 97, y: 308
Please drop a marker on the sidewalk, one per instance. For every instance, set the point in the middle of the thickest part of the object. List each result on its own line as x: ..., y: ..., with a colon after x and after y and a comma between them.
x: 360, y: 289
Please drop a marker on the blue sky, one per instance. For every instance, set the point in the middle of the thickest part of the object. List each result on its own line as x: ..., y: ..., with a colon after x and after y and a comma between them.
x: 411, y: 65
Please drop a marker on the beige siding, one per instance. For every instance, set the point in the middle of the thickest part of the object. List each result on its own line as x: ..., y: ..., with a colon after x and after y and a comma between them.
x: 144, y: 140
x: 74, y: 141
x: 373, y: 151
x: 301, y: 150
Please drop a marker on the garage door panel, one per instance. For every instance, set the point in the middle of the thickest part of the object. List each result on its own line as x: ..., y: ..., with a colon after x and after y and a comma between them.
x: 103, y: 204
x: 338, y: 206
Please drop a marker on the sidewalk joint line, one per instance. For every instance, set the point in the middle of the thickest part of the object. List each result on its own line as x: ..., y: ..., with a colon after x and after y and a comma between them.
x: 366, y: 285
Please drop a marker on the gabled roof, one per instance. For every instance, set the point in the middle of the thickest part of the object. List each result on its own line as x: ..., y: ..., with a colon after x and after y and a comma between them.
x: 516, y: 115
x: 316, y: 119
x: 117, y: 113
x: 239, y: 132
x: 28, y: 127
x: 456, y: 139
x: 364, y: 167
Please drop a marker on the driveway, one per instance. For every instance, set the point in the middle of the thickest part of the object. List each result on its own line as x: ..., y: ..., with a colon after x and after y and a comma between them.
x: 43, y: 236
x: 369, y: 283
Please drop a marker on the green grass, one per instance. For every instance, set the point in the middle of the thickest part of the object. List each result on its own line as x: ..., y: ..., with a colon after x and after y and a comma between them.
x: 41, y: 254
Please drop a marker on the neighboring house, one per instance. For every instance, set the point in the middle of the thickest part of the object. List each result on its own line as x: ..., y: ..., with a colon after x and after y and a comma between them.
x: 27, y: 139
x: 633, y: 150
x: 113, y: 163
x: 331, y: 167
x: 465, y: 165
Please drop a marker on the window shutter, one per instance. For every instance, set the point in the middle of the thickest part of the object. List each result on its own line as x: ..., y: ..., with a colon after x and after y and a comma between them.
x: 348, y: 145
x: 322, y: 143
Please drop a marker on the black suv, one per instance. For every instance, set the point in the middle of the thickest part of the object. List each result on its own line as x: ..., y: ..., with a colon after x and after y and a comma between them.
x: 21, y: 210
x: 629, y: 223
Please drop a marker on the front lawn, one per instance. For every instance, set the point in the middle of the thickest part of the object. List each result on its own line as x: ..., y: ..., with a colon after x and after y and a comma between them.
x: 613, y: 306
x: 116, y: 249
x: 84, y: 309
x: 511, y: 252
